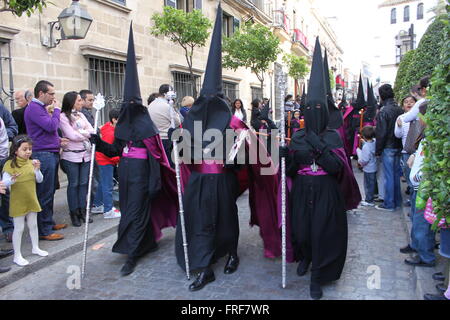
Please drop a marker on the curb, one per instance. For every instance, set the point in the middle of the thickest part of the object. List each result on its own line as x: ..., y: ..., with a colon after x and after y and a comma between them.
x: 15, y: 275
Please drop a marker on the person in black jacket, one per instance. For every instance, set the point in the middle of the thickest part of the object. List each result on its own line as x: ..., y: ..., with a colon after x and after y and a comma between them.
x: 23, y: 98
x: 389, y: 148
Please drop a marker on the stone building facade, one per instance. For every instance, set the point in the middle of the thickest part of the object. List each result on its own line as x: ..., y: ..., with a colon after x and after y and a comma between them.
x: 98, y: 61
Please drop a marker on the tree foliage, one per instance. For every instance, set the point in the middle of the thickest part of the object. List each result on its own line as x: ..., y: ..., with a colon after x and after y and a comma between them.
x: 436, y: 168
x: 297, y: 65
x: 188, y: 29
x: 252, y: 46
x: 424, y: 58
x: 401, y: 85
x: 19, y: 7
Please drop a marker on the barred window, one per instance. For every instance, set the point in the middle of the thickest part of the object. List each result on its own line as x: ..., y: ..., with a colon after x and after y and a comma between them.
x: 183, y: 85
x: 231, y: 90
x: 185, y: 5
x: 257, y: 93
x: 107, y: 77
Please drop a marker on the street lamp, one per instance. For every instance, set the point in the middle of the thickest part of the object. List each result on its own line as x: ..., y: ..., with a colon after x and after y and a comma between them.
x: 74, y: 23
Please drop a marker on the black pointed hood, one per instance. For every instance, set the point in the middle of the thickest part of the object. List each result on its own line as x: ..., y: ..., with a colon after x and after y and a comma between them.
x: 371, y: 111
x: 303, y: 98
x: 336, y: 119
x: 360, y: 100
x: 210, y: 108
x: 316, y: 118
x: 134, y: 122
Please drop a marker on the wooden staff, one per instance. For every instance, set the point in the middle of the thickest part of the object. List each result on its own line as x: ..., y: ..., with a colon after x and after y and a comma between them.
x: 361, y: 113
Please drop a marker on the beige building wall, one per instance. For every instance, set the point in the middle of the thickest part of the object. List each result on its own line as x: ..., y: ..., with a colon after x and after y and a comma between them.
x: 67, y: 64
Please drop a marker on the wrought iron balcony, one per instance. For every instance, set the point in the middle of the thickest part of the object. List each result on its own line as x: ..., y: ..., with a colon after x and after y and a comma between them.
x: 298, y: 36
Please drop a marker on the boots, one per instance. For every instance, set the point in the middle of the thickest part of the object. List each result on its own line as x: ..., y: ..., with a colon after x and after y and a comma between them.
x: 75, y: 218
x: 82, y: 215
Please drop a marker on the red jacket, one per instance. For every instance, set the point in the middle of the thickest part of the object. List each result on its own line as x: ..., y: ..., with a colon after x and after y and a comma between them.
x: 107, y: 135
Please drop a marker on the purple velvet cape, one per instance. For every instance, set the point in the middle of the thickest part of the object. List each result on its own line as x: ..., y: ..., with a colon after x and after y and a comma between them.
x: 164, y: 207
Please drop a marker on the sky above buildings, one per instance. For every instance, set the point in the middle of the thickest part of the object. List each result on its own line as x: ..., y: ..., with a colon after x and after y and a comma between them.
x: 355, y: 25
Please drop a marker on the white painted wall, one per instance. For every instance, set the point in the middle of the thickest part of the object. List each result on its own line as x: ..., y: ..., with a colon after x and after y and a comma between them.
x: 385, y: 53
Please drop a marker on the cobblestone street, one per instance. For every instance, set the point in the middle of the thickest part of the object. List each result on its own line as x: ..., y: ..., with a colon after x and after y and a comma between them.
x: 374, y: 240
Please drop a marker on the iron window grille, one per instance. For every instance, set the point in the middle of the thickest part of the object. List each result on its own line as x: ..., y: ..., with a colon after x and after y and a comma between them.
x: 231, y: 90
x: 183, y: 85
x: 107, y: 77
x: 6, y: 76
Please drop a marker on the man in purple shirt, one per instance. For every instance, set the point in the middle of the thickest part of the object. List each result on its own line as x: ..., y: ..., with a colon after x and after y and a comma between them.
x: 43, y: 130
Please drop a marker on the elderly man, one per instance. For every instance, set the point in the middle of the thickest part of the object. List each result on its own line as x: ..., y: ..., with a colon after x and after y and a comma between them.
x: 23, y: 98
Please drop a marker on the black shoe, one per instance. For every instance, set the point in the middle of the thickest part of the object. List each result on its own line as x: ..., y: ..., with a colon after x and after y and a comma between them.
x: 232, y: 264
x: 315, y: 290
x: 4, y: 269
x: 407, y: 249
x: 441, y: 288
x: 302, y: 268
x: 429, y: 296
x: 378, y: 200
x: 5, y: 253
x: 417, y: 262
x: 128, y: 267
x: 202, y: 280
x: 74, y: 217
x: 82, y: 216
x: 438, y: 276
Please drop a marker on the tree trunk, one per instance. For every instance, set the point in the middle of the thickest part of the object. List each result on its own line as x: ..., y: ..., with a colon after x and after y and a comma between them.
x: 191, y: 73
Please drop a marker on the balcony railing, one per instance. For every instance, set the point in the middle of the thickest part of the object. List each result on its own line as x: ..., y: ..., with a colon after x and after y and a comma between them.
x: 263, y: 5
x: 280, y: 19
x: 298, y: 36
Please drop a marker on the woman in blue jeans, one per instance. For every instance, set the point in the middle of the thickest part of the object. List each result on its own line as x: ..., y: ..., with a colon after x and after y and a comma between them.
x: 76, y: 155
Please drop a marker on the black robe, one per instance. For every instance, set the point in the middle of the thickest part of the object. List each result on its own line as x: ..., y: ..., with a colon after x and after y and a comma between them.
x: 318, y: 216
x: 139, y: 182
x: 211, y: 219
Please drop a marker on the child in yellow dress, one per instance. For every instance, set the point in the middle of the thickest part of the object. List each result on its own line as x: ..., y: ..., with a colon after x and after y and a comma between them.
x: 20, y: 173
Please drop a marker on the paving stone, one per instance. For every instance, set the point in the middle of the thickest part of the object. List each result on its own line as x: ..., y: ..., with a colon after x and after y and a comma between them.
x: 374, y: 240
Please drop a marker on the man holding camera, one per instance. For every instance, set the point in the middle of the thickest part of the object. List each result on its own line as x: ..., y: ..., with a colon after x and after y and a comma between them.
x: 161, y: 113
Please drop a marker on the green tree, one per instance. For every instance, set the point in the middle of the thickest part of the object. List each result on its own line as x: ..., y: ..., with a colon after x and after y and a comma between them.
x: 401, y: 85
x: 332, y: 79
x: 18, y: 7
x: 253, y: 46
x: 298, y: 66
x: 436, y: 167
x: 426, y: 56
x: 189, y: 30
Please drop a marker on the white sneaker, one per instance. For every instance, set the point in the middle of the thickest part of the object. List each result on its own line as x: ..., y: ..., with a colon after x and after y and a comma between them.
x: 367, y: 204
x: 98, y: 209
x: 112, y: 214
